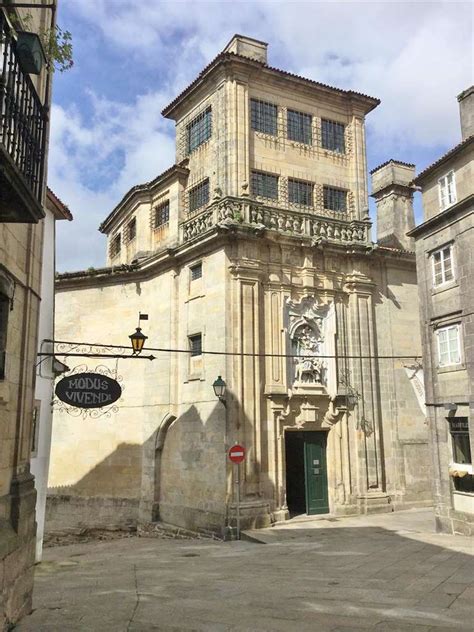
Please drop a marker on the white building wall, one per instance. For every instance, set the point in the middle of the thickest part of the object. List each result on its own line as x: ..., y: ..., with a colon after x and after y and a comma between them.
x: 44, y: 380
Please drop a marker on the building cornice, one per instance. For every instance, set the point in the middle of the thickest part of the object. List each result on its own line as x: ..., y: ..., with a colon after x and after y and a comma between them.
x: 223, y: 58
x: 174, y: 172
x: 217, y: 236
x: 445, y: 216
x: 426, y: 173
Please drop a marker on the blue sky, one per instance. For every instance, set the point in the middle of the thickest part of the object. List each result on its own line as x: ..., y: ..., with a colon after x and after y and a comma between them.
x: 132, y: 58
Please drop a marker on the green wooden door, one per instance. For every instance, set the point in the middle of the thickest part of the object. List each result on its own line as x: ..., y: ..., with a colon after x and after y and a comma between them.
x: 316, y: 479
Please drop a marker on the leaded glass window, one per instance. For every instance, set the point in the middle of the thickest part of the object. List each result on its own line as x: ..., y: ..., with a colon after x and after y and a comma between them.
x: 263, y: 117
x: 162, y: 214
x: 196, y: 272
x: 264, y: 185
x: 195, y: 345
x: 132, y: 229
x: 299, y: 127
x: 335, y: 199
x: 300, y: 192
x: 332, y: 136
x: 199, y: 130
x: 115, y: 245
x: 199, y: 195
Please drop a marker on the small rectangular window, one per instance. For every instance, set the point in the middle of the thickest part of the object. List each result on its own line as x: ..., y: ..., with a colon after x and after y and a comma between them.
x: 199, y: 196
x: 335, y: 199
x: 196, y: 272
x: 447, y: 190
x: 4, y: 311
x: 132, y: 229
x: 264, y: 185
x: 263, y: 117
x: 199, y: 130
x: 115, y: 245
x: 449, y: 351
x: 442, y: 262
x: 459, y: 429
x: 299, y: 127
x: 35, y: 426
x: 332, y: 136
x: 195, y: 345
x: 300, y: 192
x: 162, y: 214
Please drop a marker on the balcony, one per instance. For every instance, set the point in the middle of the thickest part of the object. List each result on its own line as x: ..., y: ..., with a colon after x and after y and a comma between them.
x: 23, y: 128
x: 330, y: 227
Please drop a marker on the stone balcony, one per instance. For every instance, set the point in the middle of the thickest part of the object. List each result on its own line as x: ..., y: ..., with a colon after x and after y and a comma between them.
x: 337, y: 228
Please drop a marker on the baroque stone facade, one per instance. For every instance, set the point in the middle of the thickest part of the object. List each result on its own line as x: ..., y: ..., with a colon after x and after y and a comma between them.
x: 254, y: 260
x: 444, y: 247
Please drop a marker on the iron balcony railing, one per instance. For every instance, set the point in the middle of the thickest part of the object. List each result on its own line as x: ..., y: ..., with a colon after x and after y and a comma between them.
x: 23, y: 118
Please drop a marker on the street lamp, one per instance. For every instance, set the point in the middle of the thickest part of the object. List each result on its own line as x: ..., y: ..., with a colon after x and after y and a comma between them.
x: 219, y: 389
x: 138, y: 341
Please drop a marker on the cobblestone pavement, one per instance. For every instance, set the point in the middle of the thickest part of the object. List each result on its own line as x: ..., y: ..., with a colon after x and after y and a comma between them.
x: 384, y: 573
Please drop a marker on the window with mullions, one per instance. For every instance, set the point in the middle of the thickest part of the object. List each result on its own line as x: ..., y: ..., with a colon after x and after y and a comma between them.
x: 442, y: 265
x: 115, y: 245
x: 332, y: 136
x: 300, y: 192
x: 299, y: 127
x: 264, y: 185
x: 263, y: 117
x: 447, y: 190
x: 162, y: 214
x: 199, y: 130
x: 195, y: 345
x: 449, y: 351
x: 132, y: 229
x: 334, y: 199
x: 199, y: 196
x: 196, y: 272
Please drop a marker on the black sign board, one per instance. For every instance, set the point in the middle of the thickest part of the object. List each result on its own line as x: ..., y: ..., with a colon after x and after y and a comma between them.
x: 88, y: 390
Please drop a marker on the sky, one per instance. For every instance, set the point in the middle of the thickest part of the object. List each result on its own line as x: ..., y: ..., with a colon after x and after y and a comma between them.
x: 132, y: 57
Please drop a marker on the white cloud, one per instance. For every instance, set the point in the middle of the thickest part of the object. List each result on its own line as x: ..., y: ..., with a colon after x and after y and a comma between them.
x: 415, y: 56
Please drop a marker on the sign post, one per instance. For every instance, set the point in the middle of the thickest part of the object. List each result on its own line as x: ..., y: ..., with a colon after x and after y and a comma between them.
x: 237, y: 455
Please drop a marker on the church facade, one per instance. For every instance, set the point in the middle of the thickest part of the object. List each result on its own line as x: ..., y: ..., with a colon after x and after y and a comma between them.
x: 253, y: 258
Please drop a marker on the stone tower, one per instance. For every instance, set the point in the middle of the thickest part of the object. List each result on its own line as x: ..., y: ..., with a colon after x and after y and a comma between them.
x: 392, y: 190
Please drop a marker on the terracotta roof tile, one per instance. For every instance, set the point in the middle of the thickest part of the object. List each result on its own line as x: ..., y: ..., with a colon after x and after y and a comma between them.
x: 451, y: 152
x: 62, y: 210
x: 222, y: 57
x: 387, y: 162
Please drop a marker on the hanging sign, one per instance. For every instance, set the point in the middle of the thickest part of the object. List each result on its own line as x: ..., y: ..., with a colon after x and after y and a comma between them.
x: 88, y: 390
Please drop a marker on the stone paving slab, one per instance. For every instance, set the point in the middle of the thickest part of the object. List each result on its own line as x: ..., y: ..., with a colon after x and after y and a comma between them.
x: 385, y: 573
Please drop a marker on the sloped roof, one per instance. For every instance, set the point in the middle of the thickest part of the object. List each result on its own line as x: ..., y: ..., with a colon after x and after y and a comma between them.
x: 144, y: 187
x: 228, y: 56
x: 60, y: 210
x: 459, y: 147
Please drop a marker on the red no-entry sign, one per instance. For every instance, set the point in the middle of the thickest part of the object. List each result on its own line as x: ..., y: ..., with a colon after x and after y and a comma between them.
x: 237, y: 453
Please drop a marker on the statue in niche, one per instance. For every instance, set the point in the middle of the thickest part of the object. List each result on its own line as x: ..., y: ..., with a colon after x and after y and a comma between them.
x: 306, y: 343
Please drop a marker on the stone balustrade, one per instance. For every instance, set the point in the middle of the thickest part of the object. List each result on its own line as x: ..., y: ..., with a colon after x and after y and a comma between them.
x: 234, y: 211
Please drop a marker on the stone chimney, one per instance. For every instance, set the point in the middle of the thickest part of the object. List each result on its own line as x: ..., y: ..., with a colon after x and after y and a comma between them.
x: 247, y: 47
x: 392, y: 190
x: 466, y: 111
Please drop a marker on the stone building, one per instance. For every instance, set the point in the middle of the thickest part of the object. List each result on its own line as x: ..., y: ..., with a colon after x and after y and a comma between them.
x: 252, y: 256
x: 444, y: 250
x: 25, y: 93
